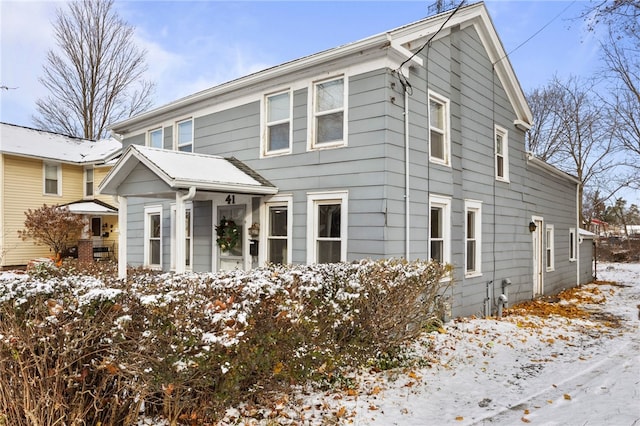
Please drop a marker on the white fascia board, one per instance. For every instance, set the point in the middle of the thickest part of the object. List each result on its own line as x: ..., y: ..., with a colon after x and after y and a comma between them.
x: 123, y: 167
x: 224, y: 187
x: 543, y: 165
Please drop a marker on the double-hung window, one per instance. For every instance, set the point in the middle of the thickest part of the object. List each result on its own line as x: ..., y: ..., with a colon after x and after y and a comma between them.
x: 329, y: 113
x: 439, y: 134
x: 502, y: 154
x: 549, y: 248
x: 440, y: 228
x: 153, y: 237
x: 184, y: 135
x: 88, y: 182
x: 277, y: 137
x: 473, y: 238
x: 279, y: 230
x: 155, y: 138
x: 327, y: 227
x: 52, y: 179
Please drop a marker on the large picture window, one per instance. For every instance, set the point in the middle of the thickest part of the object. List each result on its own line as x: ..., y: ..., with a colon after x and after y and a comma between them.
x: 277, y: 139
x: 439, y: 138
x: 153, y: 237
x: 329, y: 106
x: 52, y: 174
x: 327, y: 227
x: 439, y: 228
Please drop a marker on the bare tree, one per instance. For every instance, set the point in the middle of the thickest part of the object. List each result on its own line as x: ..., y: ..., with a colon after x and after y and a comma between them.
x: 576, y: 133
x: 97, y: 76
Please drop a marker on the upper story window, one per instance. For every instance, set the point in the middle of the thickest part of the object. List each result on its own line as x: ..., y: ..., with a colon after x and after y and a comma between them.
x: 155, y: 138
x: 502, y: 154
x: 184, y: 135
x: 52, y: 179
x: 277, y: 132
x: 440, y: 228
x: 439, y: 135
x: 88, y: 182
x: 329, y: 118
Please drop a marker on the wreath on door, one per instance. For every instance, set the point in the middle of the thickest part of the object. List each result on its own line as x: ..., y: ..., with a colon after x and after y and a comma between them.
x: 227, y: 234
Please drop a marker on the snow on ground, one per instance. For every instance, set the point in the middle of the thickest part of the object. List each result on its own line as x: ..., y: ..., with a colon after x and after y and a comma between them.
x: 521, y: 369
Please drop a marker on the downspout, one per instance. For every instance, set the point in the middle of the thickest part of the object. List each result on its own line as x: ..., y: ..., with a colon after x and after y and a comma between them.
x: 180, y: 228
x: 577, y: 236
x: 407, y: 203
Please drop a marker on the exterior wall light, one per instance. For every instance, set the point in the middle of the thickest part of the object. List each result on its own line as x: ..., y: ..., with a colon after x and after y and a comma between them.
x: 532, y: 226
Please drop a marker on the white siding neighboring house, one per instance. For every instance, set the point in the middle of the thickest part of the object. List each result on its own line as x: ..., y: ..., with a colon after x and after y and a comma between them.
x: 328, y: 158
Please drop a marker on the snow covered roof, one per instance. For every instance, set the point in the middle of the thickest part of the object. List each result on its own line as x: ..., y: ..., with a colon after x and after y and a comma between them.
x: 91, y: 207
x: 183, y: 170
x: 27, y: 142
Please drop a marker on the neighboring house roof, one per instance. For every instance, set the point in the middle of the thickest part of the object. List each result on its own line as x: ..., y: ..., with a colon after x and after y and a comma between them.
x: 396, y: 44
x: 33, y: 143
x: 93, y: 207
x: 183, y: 170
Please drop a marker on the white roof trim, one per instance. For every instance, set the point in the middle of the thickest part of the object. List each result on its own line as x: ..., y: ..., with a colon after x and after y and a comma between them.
x: 535, y: 161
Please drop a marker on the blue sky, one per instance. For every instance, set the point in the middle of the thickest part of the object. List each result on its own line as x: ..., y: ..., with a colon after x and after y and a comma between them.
x: 193, y: 45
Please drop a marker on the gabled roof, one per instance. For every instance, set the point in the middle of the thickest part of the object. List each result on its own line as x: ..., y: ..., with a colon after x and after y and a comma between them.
x: 91, y: 207
x: 183, y: 170
x: 33, y: 143
x: 398, y: 44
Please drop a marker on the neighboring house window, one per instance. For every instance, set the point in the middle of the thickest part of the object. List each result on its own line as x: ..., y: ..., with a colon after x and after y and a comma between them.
x: 184, y: 137
x: 279, y: 231
x: 549, y: 248
x: 329, y: 106
x: 153, y: 237
x: 572, y: 244
x: 439, y: 138
x: 155, y: 138
x: 52, y: 179
x: 188, y: 232
x: 440, y: 228
x: 88, y: 182
x: 277, y: 136
x: 327, y: 227
x: 502, y: 154
x: 473, y: 237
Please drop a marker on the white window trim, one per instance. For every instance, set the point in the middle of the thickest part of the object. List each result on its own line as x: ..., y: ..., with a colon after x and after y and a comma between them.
x: 148, y: 211
x: 476, y: 207
x: 549, y: 246
x: 264, y: 150
x: 311, y: 114
x: 188, y: 206
x: 445, y: 203
x: 161, y: 129
x: 498, y: 130
x: 573, y: 245
x: 277, y: 200
x: 176, y: 145
x: 85, y: 182
x: 44, y: 179
x: 447, y: 129
x: 313, y: 200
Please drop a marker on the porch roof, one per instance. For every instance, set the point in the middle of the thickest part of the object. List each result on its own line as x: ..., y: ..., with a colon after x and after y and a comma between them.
x: 92, y: 207
x: 183, y: 170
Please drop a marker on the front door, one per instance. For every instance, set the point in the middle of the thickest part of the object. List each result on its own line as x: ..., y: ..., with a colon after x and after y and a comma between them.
x: 232, y: 258
x: 538, y: 258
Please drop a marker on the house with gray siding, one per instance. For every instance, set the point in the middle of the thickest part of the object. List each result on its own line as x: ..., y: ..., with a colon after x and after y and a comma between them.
x: 409, y: 143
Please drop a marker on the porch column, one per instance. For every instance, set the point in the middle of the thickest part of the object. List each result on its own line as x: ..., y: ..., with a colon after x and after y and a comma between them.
x: 122, y: 237
x: 180, y: 233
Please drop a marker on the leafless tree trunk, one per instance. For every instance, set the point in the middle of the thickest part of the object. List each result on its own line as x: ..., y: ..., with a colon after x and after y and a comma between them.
x: 96, y: 76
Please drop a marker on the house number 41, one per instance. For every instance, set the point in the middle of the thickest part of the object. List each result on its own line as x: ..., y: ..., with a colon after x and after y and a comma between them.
x: 231, y: 199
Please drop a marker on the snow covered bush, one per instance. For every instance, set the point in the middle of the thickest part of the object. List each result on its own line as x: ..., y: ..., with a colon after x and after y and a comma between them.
x: 184, y: 347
